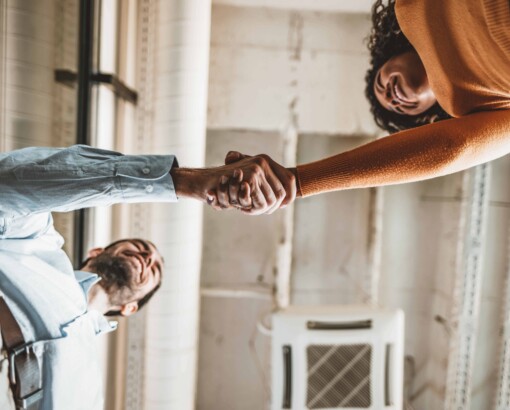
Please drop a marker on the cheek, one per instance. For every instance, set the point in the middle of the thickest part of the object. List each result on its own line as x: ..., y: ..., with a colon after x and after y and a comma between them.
x: 427, y: 98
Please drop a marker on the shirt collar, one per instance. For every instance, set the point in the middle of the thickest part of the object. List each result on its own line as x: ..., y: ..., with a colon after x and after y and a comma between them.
x: 86, y: 280
x: 101, y: 324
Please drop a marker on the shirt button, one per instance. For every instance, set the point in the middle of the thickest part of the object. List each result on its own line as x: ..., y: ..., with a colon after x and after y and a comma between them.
x: 146, y: 170
x: 149, y: 188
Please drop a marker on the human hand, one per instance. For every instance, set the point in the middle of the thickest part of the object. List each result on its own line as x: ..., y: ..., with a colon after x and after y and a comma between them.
x: 258, y: 189
x: 232, y: 192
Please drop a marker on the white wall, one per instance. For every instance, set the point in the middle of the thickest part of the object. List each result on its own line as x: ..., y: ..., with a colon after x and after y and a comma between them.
x: 337, y: 6
x: 267, y: 64
x: 238, y: 251
x: 263, y: 59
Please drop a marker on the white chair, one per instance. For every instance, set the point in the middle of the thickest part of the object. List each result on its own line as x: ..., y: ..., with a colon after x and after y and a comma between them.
x: 337, y: 357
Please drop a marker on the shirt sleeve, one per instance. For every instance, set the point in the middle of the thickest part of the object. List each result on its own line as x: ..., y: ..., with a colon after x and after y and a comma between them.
x: 42, y: 180
x: 417, y: 154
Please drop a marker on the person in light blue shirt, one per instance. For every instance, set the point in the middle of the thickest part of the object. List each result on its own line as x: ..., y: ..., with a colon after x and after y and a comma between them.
x: 60, y: 309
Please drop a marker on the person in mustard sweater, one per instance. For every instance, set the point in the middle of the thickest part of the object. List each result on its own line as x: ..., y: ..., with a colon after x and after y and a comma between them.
x: 454, y: 62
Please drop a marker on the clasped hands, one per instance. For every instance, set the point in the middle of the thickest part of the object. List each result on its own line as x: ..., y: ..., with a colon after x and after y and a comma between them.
x: 252, y: 184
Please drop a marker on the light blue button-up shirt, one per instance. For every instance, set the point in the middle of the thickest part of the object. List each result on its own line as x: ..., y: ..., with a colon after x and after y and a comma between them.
x: 47, y: 297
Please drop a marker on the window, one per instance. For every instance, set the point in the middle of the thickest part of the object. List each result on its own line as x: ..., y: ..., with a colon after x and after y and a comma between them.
x: 105, y: 82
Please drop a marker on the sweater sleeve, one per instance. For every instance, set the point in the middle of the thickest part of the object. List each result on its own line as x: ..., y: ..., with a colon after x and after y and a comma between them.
x: 413, y: 155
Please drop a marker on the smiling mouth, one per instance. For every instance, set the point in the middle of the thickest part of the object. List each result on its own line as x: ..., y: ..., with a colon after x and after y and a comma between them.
x: 398, y: 94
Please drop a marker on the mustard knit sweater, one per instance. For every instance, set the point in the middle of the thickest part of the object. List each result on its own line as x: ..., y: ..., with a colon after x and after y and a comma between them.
x: 465, y: 48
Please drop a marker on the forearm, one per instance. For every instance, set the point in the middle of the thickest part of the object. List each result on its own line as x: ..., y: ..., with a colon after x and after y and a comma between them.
x: 422, y: 153
x: 40, y: 180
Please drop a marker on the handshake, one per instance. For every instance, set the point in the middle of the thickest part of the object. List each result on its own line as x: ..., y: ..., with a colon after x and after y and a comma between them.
x: 254, y: 185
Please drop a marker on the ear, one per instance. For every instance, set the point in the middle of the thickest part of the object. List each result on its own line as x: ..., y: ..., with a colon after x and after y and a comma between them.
x: 95, y: 252
x: 129, y: 308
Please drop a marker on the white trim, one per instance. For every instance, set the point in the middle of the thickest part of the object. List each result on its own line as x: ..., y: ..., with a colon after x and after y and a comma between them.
x: 468, y: 288
x: 334, y: 6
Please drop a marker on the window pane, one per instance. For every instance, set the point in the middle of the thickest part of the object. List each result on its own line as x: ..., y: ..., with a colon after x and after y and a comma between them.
x: 108, y: 36
x: 105, y: 118
x: 127, y: 43
x: 126, y: 132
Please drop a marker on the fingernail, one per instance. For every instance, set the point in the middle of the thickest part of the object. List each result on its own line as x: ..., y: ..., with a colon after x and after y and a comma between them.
x: 243, y: 188
x: 236, y: 173
x: 210, y: 199
x: 224, y: 180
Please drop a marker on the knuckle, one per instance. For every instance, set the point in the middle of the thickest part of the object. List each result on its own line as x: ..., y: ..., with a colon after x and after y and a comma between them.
x: 257, y: 169
x: 261, y: 160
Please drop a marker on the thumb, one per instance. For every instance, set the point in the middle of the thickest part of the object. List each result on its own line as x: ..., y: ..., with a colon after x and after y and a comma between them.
x: 234, y: 156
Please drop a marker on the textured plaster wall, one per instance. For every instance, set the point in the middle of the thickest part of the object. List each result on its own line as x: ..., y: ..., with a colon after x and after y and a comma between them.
x: 262, y: 59
x: 265, y: 66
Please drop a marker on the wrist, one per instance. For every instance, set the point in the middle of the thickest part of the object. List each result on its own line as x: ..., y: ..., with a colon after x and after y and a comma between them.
x: 187, y: 182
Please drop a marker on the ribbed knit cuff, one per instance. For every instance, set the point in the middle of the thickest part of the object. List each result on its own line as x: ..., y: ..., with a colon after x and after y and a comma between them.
x: 332, y: 174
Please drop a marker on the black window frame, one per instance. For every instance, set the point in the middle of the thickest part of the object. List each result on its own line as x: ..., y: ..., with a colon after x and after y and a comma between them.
x: 84, y: 79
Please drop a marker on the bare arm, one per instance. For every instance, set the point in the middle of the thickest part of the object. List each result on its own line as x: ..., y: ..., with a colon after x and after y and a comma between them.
x: 422, y: 153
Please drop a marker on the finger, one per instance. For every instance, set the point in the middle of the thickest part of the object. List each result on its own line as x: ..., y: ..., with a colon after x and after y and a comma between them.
x: 288, y: 179
x: 212, y: 200
x: 234, y: 185
x: 234, y: 156
x: 258, y: 200
x: 222, y: 193
x: 275, y: 181
x: 273, y: 190
x: 245, y: 195
x: 269, y: 196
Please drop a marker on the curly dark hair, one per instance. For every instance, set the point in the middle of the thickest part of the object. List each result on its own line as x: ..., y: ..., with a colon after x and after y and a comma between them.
x: 386, y: 40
